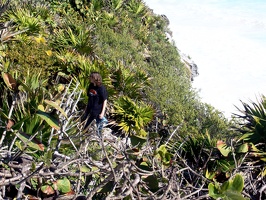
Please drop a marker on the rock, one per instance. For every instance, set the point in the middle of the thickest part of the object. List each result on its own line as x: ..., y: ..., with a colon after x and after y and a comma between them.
x: 189, y: 63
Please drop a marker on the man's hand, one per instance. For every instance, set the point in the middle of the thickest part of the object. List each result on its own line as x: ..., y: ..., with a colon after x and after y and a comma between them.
x: 101, y: 115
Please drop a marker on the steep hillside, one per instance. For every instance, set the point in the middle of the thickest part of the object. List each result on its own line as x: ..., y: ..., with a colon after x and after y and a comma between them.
x: 124, y: 40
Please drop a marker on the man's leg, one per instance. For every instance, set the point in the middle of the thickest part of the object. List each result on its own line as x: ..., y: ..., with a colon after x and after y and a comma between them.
x: 100, y: 123
x: 85, y: 114
x: 91, y: 118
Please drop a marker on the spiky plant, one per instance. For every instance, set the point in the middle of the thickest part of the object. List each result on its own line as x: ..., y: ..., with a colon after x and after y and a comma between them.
x: 132, y: 117
x: 137, y: 7
x: 77, y: 38
x: 253, y: 117
x: 130, y: 83
x: 24, y: 19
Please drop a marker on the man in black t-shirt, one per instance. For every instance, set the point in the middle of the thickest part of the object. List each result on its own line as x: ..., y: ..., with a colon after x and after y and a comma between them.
x: 97, y: 101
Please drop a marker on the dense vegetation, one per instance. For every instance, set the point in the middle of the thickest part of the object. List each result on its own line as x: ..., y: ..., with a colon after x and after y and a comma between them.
x: 162, y: 142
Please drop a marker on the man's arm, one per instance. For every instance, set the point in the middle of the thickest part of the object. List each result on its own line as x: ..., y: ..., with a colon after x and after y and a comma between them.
x: 103, y: 109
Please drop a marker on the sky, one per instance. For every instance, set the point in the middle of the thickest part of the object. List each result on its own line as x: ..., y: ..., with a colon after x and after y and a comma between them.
x: 227, y: 41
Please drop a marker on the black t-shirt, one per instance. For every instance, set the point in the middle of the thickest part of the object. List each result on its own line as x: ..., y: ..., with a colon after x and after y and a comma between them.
x: 96, y: 95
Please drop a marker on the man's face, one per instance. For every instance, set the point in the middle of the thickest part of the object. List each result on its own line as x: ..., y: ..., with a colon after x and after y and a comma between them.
x: 92, y: 80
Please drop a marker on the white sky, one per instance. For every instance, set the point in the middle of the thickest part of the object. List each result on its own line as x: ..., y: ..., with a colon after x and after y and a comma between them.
x: 228, y: 43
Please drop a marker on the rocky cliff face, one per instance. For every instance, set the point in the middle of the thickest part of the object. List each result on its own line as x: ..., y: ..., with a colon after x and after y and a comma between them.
x: 189, y: 63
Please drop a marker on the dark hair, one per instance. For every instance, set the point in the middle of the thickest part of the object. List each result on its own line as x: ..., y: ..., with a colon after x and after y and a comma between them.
x: 97, y: 77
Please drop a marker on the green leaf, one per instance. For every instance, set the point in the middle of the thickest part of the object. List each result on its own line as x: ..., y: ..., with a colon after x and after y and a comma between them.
x: 214, y: 192
x: 209, y: 175
x: 145, y: 166
x: 51, y: 120
x: 47, y: 157
x: 263, y: 172
x: 24, y: 87
x: 162, y: 149
x: 263, y: 159
x: 257, y: 119
x: 152, y: 183
x: 165, y: 156
x: 246, y: 136
x: 167, y: 159
x: 231, y: 195
x: 33, y: 166
x: 34, y: 183
x: 253, y: 148
x: 63, y: 185
x: 137, y: 140
x: 47, y: 189
x: 243, y: 148
x: 108, y: 187
x: 237, y: 184
x: 56, y: 106
x: 84, y: 168
x: 223, y: 148
x: 41, y: 108
x: 18, y: 144
x: 3, y: 115
x: 25, y: 138
x: 60, y: 88
x: 211, y: 189
x: 224, y: 186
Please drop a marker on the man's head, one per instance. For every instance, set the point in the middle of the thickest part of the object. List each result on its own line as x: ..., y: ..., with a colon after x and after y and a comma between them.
x: 96, y: 78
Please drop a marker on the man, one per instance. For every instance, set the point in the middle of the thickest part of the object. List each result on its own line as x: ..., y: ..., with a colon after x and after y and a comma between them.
x: 97, y: 101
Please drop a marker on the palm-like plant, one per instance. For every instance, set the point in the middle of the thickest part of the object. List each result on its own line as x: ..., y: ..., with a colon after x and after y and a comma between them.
x: 79, y: 67
x: 137, y: 7
x: 25, y: 20
x: 28, y: 111
x: 36, y: 111
x: 131, y: 83
x: 24, y: 109
x: 254, y: 121
x: 77, y: 39
x: 8, y: 28
x: 109, y: 19
x: 7, y: 33
x: 200, y: 153
x: 196, y: 149
x: 132, y: 117
x: 117, y: 4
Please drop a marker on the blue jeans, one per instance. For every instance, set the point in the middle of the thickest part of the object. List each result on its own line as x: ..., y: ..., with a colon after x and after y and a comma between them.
x: 100, y: 123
